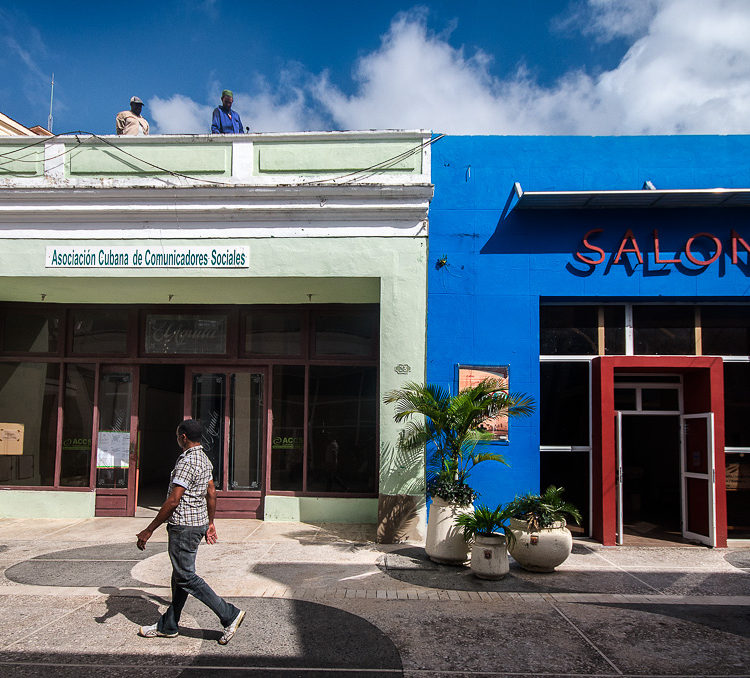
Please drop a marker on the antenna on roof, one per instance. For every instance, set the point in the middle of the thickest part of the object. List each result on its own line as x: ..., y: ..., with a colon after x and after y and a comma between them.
x: 51, y: 95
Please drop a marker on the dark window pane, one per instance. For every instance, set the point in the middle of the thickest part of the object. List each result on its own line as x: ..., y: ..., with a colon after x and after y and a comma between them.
x: 614, y: 330
x: 345, y: 334
x: 186, y: 334
x: 571, y: 471
x: 100, y: 331
x: 113, y: 438
x: 287, y: 436
x: 564, y: 403
x: 737, y: 404
x: 660, y: 399
x: 28, y: 404
x: 269, y: 333
x: 568, y: 330
x: 31, y: 331
x: 738, y: 496
x: 78, y: 424
x: 245, y: 431
x: 208, y: 408
x: 625, y: 399
x: 664, y: 330
x: 725, y: 330
x: 342, y: 455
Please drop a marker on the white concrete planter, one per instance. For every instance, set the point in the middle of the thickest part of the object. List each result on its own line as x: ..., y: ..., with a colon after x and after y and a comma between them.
x: 445, y: 540
x: 543, y: 550
x: 489, y: 557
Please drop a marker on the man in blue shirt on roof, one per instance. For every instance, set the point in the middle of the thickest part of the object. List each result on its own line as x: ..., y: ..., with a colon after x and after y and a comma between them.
x: 225, y: 120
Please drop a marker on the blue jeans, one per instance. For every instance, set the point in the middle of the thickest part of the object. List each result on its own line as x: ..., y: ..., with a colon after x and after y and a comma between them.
x: 183, y: 546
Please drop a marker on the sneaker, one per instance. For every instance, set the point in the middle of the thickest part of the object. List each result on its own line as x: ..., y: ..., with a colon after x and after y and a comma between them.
x: 153, y: 632
x: 230, y: 630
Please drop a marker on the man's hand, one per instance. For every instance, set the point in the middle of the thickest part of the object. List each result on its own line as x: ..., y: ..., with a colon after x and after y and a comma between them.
x: 142, y: 538
x: 211, y: 536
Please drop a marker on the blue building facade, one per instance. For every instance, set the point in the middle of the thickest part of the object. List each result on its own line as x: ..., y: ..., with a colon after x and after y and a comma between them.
x: 612, y: 284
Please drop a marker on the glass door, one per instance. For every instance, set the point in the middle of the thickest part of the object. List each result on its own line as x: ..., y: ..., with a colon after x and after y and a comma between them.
x: 116, y: 468
x: 698, y: 478
x: 231, y: 405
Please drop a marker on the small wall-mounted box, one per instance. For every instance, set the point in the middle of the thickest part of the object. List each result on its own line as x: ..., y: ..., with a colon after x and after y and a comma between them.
x: 11, y: 438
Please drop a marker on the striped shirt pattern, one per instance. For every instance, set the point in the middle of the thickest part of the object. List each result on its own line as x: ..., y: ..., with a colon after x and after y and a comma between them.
x: 193, y: 471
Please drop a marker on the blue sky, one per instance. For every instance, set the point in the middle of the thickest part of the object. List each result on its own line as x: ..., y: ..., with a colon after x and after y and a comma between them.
x: 536, y: 66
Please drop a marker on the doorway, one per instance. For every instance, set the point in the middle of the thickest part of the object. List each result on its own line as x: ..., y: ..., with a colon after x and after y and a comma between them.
x: 161, y: 408
x: 651, y: 503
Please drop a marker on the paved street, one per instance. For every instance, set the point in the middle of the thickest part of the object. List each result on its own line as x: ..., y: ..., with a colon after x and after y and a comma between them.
x: 324, y: 600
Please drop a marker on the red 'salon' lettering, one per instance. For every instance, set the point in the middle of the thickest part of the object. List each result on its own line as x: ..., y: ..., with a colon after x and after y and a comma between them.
x: 736, y: 239
x: 593, y: 248
x: 629, y: 236
x: 657, y: 258
x: 701, y: 262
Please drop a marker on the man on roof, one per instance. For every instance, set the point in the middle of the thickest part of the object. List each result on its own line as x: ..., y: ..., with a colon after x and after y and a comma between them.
x: 132, y: 122
x: 225, y: 120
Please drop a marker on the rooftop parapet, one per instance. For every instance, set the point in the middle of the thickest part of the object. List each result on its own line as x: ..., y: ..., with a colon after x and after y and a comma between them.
x: 397, y: 157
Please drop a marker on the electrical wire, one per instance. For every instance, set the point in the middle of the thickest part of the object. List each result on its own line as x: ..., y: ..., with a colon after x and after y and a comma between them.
x: 357, y: 175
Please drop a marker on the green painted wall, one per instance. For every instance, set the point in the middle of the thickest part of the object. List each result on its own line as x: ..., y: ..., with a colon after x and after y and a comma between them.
x: 46, y: 504
x: 21, y: 161
x: 103, y: 159
x: 388, y: 270
x: 321, y: 509
x: 337, y: 156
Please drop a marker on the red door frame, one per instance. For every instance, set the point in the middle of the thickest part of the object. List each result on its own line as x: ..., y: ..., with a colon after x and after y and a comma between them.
x: 234, y: 503
x: 704, y: 392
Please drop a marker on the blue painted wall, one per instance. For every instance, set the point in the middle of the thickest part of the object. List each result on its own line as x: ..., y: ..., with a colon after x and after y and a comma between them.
x: 483, y: 304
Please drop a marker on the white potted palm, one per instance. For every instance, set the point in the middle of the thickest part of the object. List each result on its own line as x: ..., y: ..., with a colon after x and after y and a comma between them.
x: 489, y: 532
x: 451, y: 427
x: 542, y: 540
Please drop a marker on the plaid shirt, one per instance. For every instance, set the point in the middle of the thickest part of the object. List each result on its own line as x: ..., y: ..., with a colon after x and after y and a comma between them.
x: 193, y: 471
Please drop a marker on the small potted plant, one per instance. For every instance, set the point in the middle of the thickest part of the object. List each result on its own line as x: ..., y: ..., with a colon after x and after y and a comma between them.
x: 542, y: 540
x: 451, y: 427
x: 489, y: 552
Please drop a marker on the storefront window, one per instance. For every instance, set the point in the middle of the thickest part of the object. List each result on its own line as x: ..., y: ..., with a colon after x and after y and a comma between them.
x: 350, y: 334
x: 568, y: 330
x: 664, y: 330
x: 737, y: 404
x: 99, y: 331
x: 186, y: 334
x: 738, y: 495
x: 28, y: 402
x: 725, y: 330
x: 113, y: 438
x: 246, y: 431
x: 342, y: 422
x: 287, y: 435
x: 208, y: 408
x: 31, y: 331
x: 614, y: 330
x: 272, y: 333
x: 78, y: 424
x: 564, y: 403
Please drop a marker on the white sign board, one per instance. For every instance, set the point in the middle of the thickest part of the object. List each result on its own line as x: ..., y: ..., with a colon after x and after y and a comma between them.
x: 113, y: 449
x: 149, y: 256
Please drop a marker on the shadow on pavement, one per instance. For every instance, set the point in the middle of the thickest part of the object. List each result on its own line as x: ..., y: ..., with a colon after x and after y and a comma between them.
x: 288, y: 637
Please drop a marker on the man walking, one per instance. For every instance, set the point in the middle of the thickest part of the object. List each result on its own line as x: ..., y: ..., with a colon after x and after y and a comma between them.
x: 189, y: 510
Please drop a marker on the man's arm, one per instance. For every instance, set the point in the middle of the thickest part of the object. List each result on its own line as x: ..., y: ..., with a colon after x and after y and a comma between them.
x: 165, y: 511
x: 216, y: 122
x: 211, y: 536
x: 120, y: 123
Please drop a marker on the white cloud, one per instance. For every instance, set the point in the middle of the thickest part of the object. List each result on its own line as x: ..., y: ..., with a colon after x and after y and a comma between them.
x: 689, y: 71
x: 178, y: 115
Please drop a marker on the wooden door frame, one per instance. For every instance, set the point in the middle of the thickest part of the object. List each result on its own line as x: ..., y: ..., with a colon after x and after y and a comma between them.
x: 131, y: 491
x: 235, y: 503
